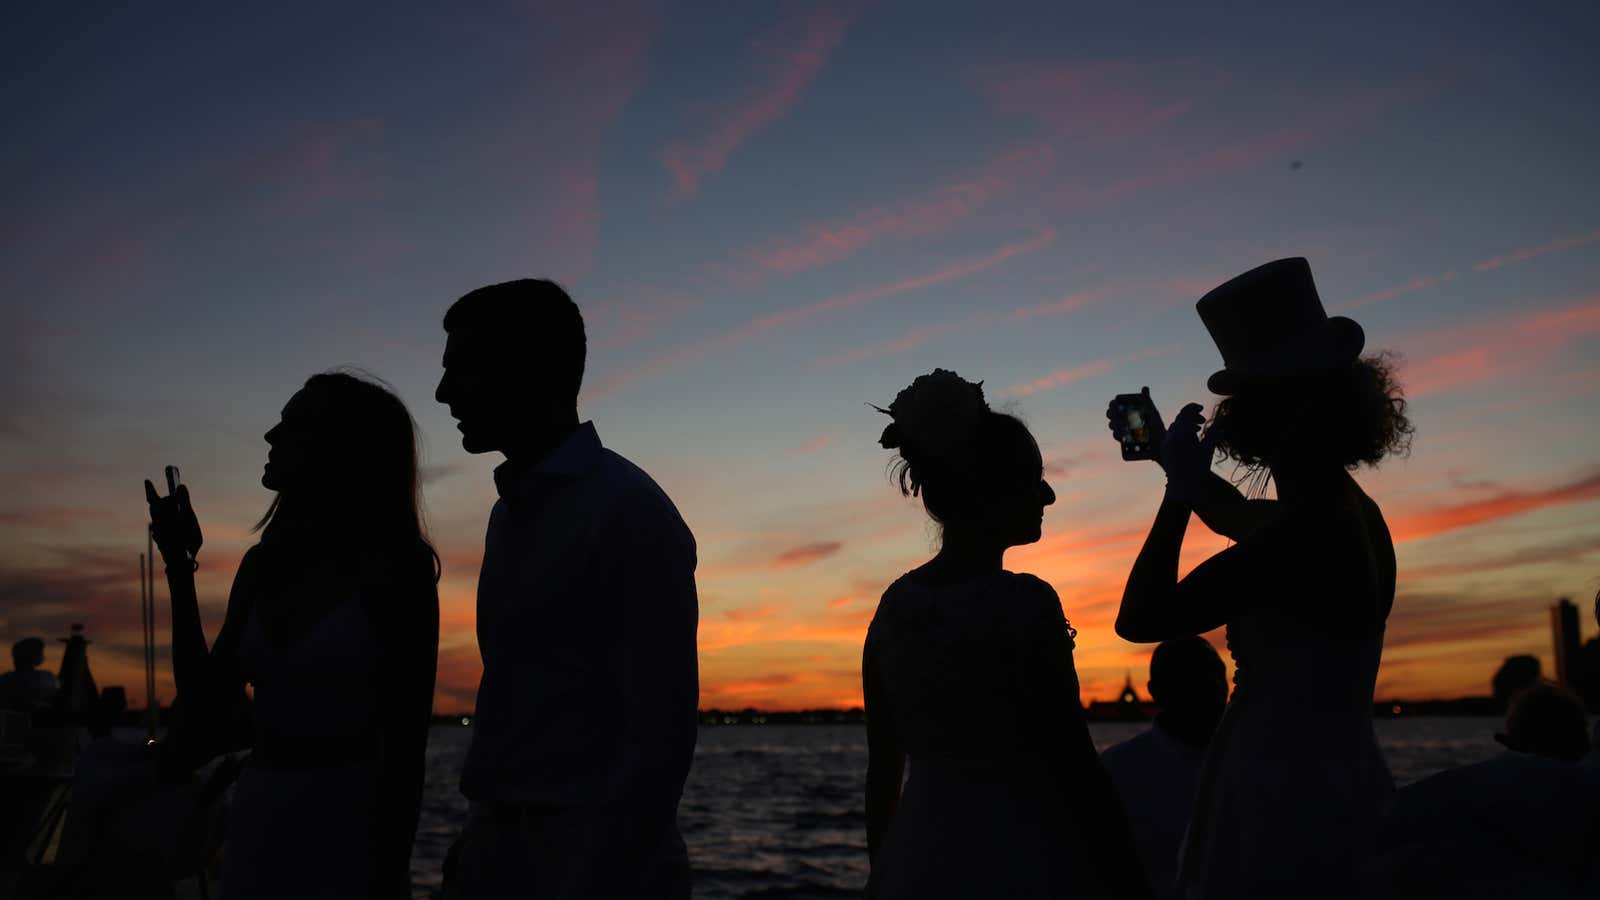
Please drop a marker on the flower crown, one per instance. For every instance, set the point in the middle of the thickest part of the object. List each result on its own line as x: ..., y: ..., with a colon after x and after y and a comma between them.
x: 937, y: 415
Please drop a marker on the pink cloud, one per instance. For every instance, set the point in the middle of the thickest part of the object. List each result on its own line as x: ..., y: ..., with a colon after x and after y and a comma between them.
x: 1516, y: 256
x: 821, y: 442
x: 1497, y: 348
x: 806, y: 554
x: 923, y: 214
x: 787, y: 57
x: 1088, y: 101
x: 1502, y: 504
x: 785, y: 318
x: 1318, y: 123
x: 1074, y: 374
x: 1399, y: 290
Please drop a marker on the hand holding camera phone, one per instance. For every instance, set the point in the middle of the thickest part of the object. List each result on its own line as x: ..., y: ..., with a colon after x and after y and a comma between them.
x: 172, y: 519
x: 1136, y: 424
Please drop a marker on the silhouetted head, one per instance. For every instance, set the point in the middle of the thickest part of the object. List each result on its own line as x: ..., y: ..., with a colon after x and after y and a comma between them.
x: 343, y: 461
x: 27, y: 654
x: 513, y: 363
x: 1189, y: 681
x: 979, y: 472
x: 1547, y: 720
x: 1351, y: 416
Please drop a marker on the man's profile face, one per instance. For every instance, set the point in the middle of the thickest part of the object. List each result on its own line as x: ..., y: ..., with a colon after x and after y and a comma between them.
x: 470, y: 388
x: 490, y: 392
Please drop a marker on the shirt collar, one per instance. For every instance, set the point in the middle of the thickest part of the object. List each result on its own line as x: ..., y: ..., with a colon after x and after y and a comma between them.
x: 572, y: 458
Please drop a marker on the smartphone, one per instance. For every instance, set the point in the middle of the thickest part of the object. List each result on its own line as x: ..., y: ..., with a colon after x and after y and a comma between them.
x: 173, y: 480
x: 1138, y: 418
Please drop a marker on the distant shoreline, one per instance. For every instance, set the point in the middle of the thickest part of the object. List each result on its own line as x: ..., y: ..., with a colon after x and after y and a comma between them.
x: 1097, y: 711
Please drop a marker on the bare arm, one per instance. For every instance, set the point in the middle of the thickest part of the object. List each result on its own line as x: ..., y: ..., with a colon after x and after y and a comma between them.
x: 885, y: 759
x: 210, y: 686
x: 1226, y: 511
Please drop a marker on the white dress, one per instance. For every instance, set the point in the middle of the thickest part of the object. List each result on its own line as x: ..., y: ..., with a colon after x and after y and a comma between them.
x: 980, y: 814
x: 1294, y: 784
x: 302, y: 825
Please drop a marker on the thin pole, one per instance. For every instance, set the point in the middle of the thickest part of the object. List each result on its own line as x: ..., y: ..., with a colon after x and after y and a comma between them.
x: 150, y: 645
x: 144, y: 635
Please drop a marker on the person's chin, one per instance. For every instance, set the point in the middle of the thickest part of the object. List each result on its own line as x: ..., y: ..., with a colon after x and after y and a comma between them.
x: 473, y: 442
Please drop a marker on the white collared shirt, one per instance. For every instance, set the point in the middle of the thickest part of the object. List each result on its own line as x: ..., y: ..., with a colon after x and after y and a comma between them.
x: 586, y: 623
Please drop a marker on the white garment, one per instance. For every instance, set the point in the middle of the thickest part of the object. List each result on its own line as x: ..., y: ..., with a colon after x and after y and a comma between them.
x: 981, y: 814
x: 1294, y: 784
x: 586, y: 623
x: 1156, y: 776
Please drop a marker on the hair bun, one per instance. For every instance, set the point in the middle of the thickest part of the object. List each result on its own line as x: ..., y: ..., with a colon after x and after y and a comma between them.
x: 937, y: 415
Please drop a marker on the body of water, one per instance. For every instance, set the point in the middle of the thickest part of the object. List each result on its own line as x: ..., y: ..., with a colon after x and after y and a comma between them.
x: 777, y: 810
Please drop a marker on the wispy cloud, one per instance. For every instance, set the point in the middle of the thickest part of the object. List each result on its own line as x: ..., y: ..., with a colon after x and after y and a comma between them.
x: 795, y: 315
x: 920, y: 214
x: 1414, y: 526
x: 1526, y: 253
x: 1074, y: 374
x: 820, y: 442
x: 1496, y: 347
x: 806, y: 554
x: 1399, y: 290
x: 1094, y: 100
x: 778, y: 64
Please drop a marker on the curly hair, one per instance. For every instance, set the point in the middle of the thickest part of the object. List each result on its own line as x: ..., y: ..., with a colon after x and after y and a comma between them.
x: 1005, y: 457
x: 1354, y: 416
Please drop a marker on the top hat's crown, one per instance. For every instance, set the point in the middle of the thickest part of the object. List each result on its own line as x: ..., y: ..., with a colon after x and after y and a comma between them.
x: 1270, y: 322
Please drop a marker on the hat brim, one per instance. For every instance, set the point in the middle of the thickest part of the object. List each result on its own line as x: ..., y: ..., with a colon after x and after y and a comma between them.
x: 1339, y: 344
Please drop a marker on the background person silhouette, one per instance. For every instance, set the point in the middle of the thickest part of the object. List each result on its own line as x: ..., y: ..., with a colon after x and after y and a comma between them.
x: 1528, y: 819
x: 1013, y: 802
x: 1294, y: 781
x: 27, y: 686
x: 334, y: 620
x: 1156, y: 772
x: 587, y: 711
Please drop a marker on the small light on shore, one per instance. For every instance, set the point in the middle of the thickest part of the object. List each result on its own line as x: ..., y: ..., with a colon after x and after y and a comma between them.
x: 466, y: 720
x: 1396, y: 709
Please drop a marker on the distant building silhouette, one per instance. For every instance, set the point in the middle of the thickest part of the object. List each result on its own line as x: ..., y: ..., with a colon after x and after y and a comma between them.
x: 1564, y: 631
x: 1128, y: 695
x: 1516, y: 674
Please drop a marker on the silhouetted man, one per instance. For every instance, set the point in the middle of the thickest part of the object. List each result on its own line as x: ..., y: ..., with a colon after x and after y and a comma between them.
x: 586, y: 714
x: 1157, y: 771
x: 1523, y: 823
x: 27, y: 687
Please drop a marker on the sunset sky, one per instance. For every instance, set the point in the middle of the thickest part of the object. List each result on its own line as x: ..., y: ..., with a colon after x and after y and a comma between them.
x: 771, y: 215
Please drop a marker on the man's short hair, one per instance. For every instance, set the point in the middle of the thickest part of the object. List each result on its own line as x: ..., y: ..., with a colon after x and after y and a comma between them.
x: 530, y: 319
x: 28, y: 651
x: 1180, y: 659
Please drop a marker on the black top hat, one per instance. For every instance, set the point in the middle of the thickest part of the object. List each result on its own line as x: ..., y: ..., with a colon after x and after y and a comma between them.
x: 1269, y: 322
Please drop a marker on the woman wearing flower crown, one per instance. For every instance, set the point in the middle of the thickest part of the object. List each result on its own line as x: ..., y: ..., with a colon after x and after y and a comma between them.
x: 968, y: 678
x: 1294, y: 783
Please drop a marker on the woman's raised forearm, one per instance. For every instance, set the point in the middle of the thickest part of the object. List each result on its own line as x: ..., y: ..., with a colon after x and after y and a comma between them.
x: 1154, y: 573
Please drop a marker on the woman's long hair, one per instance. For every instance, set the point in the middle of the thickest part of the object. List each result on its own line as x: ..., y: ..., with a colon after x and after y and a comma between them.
x: 362, y: 490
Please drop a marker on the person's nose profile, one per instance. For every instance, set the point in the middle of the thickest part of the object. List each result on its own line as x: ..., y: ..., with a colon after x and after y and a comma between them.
x: 1047, y: 493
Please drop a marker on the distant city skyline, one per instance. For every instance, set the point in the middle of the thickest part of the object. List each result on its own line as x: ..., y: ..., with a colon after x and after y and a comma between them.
x: 770, y: 217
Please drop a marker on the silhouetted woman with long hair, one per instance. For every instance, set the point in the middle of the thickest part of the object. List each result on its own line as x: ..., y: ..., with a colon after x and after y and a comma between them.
x: 969, y: 680
x: 334, y: 621
x: 1294, y: 783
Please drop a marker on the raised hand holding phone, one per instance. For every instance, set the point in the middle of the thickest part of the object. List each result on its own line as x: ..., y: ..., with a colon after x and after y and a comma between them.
x: 172, y: 520
x: 1136, y: 424
x: 1185, y: 454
